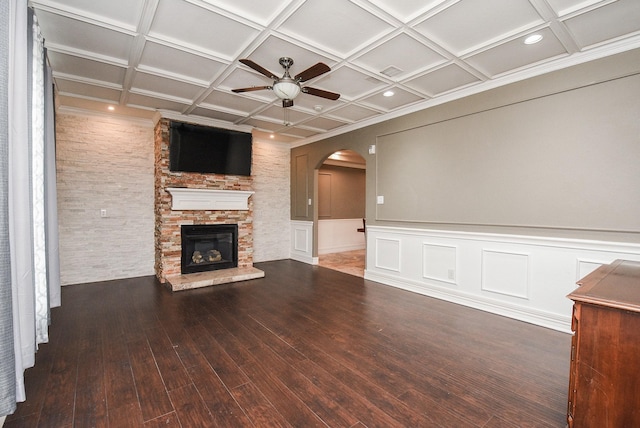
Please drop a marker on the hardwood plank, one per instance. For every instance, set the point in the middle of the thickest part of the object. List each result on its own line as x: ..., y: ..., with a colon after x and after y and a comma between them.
x: 288, y: 404
x: 129, y: 415
x: 243, y: 333
x: 259, y: 410
x: 224, y: 366
x: 186, y: 348
x: 165, y: 421
x: 317, y: 400
x: 232, y: 346
x: 35, y: 379
x: 336, y: 390
x: 30, y: 420
x: 224, y: 409
x: 190, y: 409
x: 303, y: 346
x: 497, y: 422
x: 369, y: 389
x: 131, y: 328
x: 351, y: 371
x: 120, y: 387
x: 441, y: 415
x: 59, y: 402
x: 460, y: 399
x: 171, y: 369
x: 91, y: 403
x: 503, y: 400
x: 152, y: 395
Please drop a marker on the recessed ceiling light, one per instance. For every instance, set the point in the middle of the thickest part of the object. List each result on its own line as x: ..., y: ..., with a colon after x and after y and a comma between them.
x: 534, y: 38
x: 388, y: 94
x: 111, y: 108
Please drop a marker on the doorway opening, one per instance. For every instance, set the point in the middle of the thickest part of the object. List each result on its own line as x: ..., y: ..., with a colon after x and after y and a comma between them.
x: 340, y: 220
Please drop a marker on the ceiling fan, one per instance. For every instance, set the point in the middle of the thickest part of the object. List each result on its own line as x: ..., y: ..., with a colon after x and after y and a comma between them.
x: 286, y: 87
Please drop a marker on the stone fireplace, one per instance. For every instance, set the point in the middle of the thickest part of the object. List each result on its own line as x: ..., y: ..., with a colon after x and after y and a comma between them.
x: 194, y: 199
x: 207, y: 247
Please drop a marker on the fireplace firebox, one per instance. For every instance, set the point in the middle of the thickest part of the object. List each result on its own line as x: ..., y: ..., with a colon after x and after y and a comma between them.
x: 208, y: 247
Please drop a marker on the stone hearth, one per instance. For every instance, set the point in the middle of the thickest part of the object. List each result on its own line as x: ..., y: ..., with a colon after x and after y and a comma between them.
x: 214, y: 277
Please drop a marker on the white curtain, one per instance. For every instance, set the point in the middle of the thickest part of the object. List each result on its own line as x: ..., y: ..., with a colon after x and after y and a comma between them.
x: 41, y: 292
x: 32, y: 220
x: 7, y: 364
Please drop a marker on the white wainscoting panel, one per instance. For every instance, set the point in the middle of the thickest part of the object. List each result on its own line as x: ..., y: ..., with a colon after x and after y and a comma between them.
x: 387, y: 254
x: 585, y: 267
x: 439, y: 262
x: 302, y: 242
x: 505, y: 273
x: 337, y: 235
x: 522, y: 277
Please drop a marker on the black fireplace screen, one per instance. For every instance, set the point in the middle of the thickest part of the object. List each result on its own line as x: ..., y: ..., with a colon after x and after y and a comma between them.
x: 209, y: 247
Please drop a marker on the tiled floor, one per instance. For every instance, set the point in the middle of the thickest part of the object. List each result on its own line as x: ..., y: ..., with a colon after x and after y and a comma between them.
x: 351, y: 262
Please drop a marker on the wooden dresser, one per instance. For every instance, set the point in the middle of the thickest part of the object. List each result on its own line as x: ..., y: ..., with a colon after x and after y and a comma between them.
x: 604, y: 381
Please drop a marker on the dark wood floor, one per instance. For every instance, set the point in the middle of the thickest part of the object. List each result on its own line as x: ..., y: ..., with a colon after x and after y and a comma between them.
x: 305, y: 346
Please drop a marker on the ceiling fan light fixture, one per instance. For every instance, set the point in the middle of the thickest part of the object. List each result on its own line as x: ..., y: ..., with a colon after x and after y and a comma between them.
x: 286, y: 89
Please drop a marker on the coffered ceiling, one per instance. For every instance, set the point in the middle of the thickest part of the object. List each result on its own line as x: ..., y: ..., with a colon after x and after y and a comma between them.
x: 182, y: 56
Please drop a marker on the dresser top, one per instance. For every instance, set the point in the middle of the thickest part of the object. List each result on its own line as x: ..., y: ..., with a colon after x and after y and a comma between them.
x: 615, y: 285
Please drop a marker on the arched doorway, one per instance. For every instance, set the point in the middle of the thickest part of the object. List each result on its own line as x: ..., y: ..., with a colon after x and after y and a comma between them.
x: 341, y: 211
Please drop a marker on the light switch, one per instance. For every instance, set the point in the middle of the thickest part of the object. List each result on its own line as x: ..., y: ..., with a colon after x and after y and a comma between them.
x: 380, y: 200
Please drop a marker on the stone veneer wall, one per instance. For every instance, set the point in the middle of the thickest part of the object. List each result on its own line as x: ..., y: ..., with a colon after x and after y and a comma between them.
x: 168, y: 222
x: 104, y: 162
x: 271, y: 218
x: 107, y: 162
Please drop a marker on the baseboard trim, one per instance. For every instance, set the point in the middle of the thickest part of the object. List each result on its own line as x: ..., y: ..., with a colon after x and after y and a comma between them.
x: 542, y: 319
x: 341, y: 249
x: 304, y: 259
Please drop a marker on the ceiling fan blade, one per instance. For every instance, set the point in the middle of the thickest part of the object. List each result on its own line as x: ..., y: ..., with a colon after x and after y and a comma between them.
x: 253, y: 88
x: 259, y: 68
x: 320, y: 93
x: 311, y: 72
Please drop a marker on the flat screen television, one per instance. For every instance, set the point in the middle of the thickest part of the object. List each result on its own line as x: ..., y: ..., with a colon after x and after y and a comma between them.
x: 203, y: 149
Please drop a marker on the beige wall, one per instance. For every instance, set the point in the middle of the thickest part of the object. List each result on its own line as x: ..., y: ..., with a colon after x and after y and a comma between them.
x: 500, y: 116
x: 341, y: 192
x: 105, y: 162
x: 567, y: 160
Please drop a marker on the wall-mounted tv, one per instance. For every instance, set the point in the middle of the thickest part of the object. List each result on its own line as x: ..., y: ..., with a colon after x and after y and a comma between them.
x: 203, y: 149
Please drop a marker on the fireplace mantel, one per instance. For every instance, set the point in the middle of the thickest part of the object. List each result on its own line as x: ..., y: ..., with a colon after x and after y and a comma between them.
x: 208, y: 199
